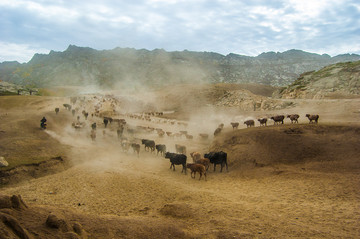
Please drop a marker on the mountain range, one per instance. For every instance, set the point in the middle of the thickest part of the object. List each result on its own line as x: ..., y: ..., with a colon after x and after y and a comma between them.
x: 127, y: 67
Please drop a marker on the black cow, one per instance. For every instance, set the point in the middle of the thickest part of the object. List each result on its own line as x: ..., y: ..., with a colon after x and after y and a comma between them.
x: 262, y: 121
x: 150, y: 144
x: 160, y: 148
x: 217, y: 158
x: 106, y: 121
x: 67, y: 106
x: 109, y: 119
x: 57, y: 110
x: 177, y: 159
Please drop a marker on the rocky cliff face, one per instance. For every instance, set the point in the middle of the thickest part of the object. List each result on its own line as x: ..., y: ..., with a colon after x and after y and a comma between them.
x: 132, y: 68
x: 340, y: 80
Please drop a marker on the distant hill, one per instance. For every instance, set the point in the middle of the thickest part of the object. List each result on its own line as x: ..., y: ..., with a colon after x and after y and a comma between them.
x: 341, y: 80
x: 7, y: 88
x: 126, y: 67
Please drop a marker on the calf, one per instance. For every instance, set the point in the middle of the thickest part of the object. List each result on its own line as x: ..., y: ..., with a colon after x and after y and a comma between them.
x: 57, y: 110
x: 312, y: 118
x: 277, y: 119
x: 160, y: 148
x: 194, y: 167
x: 176, y: 159
x: 293, y: 118
x: 204, y: 161
x: 217, y: 158
x: 249, y: 123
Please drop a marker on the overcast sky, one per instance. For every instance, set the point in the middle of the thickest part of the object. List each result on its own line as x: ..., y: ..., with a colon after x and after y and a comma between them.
x: 246, y: 27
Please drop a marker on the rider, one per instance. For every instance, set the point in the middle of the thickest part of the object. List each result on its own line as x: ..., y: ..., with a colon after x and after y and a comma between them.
x: 43, y: 120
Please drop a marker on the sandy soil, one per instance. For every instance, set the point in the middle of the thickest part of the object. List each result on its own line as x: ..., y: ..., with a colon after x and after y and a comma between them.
x: 311, y: 192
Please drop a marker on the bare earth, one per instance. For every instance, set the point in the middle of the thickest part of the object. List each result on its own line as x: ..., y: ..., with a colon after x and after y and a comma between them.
x: 284, y: 181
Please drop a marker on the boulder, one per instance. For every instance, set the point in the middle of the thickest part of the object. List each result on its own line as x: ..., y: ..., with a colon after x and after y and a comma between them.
x: 5, y: 201
x: 54, y: 221
x: 3, y: 162
x: 15, y: 201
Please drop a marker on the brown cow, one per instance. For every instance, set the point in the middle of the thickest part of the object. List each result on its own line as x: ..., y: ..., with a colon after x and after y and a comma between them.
x: 293, y: 118
x: 249, y: 123
x: 205, y: 162
x: 234, y: 125
x: 136, y: 148
x: 194, y: 167
x: 195, y: 156
x: 312, y: 118
x: 278, y: 118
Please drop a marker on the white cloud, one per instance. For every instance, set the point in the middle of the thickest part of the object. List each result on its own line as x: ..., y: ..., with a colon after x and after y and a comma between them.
x: 19, y: 52
x: 222, y: 26
x: 48, y: 11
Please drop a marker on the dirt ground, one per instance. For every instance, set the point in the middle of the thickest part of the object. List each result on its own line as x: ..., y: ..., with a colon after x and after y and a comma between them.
x: 284, y: 181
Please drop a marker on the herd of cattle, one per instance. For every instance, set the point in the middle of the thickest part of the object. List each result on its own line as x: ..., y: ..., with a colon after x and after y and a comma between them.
x: 278, y: 119
x: 200, y: 163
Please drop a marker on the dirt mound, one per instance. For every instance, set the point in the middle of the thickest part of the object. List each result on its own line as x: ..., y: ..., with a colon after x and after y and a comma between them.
x: 176, y: 210
x: 19, y: 220
x: 292, y: 144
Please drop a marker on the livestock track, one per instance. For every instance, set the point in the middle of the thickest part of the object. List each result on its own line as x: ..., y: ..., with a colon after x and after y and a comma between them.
x: 263, y: 202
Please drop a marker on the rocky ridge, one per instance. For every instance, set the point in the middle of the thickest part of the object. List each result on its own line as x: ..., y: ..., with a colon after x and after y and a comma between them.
x: 126, y: 67
x: 341, y: 80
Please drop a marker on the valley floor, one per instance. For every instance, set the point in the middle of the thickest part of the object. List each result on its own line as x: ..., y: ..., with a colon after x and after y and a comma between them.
x: 111, y: 192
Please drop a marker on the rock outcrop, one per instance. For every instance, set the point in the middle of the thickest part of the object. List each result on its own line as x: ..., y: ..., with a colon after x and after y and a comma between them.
x: 340, y: 80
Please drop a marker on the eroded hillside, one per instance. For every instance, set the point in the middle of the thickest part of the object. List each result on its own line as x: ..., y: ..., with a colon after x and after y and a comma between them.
x: 340, y: 80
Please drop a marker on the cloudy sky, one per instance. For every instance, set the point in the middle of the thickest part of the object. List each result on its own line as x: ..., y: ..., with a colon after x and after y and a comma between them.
x: 247, y: 27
